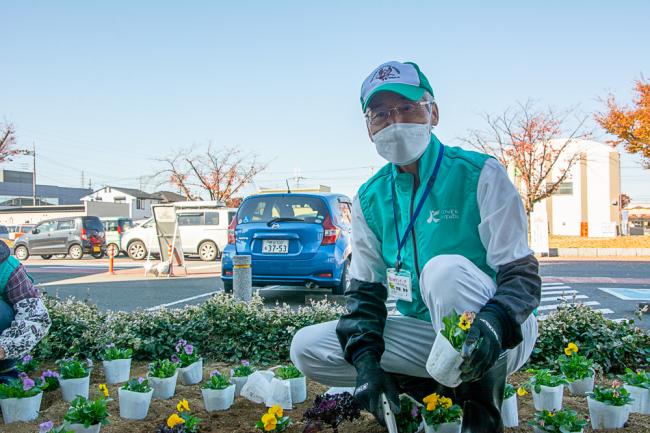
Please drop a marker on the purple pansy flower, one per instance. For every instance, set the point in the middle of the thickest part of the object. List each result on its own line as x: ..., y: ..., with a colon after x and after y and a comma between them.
x: 245, y: 362
x: 181, y: 343
x: 140, y: 380
x: 215, y: 373
x: 189, y: 349
x: 22, y: 375
x: 50, y: 373
x: 175, y: 359
x: 45, y: 427
x: 415, y: 411
x: 27, y: 358
x: 28, y: 384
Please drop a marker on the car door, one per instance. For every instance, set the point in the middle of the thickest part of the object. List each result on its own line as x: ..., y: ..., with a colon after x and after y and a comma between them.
x: 41, y: 241
x: 190, y: 226
x: 64, y: 231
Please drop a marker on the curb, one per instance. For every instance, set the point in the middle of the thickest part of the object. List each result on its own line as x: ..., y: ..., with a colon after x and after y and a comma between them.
x: 598, y: 252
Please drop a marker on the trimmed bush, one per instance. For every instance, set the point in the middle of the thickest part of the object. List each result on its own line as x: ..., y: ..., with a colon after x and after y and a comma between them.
x: 224, y: 330
x: 613, y: 346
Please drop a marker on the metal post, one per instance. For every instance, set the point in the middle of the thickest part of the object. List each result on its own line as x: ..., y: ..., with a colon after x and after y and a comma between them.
x: 242, y: 277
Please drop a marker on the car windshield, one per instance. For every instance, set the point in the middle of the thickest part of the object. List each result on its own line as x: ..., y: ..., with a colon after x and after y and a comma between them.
x: 263, y: 209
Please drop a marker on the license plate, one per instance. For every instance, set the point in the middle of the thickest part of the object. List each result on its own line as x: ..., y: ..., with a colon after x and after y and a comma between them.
x: 96, y: 249
x: 275, y: 246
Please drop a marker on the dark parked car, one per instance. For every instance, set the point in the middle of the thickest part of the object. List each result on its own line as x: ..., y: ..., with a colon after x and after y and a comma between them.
x: 293, y: 239
x: 74, y: 236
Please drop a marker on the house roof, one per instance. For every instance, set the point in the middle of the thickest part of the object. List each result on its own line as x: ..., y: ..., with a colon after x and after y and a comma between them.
x: 130, y: 191
x: 169, y: 197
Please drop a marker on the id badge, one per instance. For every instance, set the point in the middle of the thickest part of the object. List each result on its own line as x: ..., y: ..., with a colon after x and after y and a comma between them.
x: 399, y: 284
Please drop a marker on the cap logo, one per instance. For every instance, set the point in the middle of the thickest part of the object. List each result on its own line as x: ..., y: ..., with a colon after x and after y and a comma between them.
x: 386, y: 72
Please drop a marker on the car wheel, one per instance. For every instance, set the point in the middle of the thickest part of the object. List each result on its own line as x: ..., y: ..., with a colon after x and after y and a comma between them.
x: 227, y: 286
x: 46, y: 256
x: 208, y: 251
x: 76, y: 252
x: 113, y: 249
x: 21, y: 252
x: 136, y: 250
x: 345, y: 279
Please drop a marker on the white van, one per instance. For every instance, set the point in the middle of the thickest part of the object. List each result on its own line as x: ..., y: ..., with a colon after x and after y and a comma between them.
x: 203, y: 228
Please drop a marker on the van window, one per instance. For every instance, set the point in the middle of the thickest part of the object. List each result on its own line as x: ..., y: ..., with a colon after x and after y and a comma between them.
x: 110, y: 226
x: 65, y: 225
x: 231, y: 215
x: 3, y: 230
x: 46, y: 226
x: 125, y: 224
x: 345, y: 212
x: 194, y: 219
x: 265, y: 208
x: 93, y: 223
x: 212, y: 218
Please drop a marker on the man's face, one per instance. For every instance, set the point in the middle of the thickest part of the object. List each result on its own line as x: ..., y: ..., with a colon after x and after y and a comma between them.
x: 386, y: 108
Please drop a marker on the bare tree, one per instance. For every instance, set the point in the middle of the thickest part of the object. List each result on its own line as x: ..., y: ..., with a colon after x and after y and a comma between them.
x: 221, y: 173
x: 7, y: 141
x: 537, y: 144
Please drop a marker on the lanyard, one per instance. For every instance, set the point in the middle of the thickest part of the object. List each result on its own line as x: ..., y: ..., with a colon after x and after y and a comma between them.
x: 418, y: 209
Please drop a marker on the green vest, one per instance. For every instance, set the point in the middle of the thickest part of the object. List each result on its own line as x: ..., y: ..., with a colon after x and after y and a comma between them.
x: 447, y: 224
x: 6, y: 269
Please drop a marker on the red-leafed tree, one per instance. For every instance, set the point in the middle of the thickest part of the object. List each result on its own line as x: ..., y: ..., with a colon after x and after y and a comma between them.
x: 536, y: 144
x: 219, y: 173
x: 631, y: 126
x: 7, y: 141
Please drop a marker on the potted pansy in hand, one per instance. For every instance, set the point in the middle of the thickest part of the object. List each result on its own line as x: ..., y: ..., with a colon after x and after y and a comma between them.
x: 190, y: 363
x: 562, y: 421
x: 20, y: 399
x: 117, y: 363
x: 218, y: 392
x: 509, y: 411
x: 74, y: 377
x: 547, y: 389
x: 296, y: 380
x: 609, y: 406
x: 578, y: 370
x: 27, y: 364
x: 239, y: 375
x: 444, y: 360
x: 441, y: 415
x: 162, y: 378
x: 135, y: 398
x: 87, y: 416
x: 273, y: 420
x: 638, y: 385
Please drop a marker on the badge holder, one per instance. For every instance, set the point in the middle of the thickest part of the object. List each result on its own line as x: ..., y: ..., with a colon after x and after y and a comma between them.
x: 389, y: 417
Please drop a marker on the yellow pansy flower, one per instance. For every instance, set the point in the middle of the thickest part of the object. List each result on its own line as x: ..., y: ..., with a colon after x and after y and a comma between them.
x: 521, y: 391
x: 464, y: 324
x: 276, y: 411
x: 270, y: 421
x: 104, y: 389
x: 445, y: 402
x: 570, y: 349
x: 174, y: 420
x: 182, y: 406
x: 431, y: 401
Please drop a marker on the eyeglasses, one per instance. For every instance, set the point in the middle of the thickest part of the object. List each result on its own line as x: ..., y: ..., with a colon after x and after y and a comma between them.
x: 407, y: 111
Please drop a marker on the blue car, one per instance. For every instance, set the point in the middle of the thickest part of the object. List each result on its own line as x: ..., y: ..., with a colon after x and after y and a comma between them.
x: 293, y: 239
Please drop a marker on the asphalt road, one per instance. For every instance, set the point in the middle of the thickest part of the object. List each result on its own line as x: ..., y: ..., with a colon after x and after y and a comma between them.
x: 603, y: 285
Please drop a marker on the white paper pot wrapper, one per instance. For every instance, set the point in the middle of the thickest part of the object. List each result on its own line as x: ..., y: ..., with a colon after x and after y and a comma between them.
x: 21, y: 409
x: 192, y: 374
x: 79, y: 428
x: 550, y: 398
x: 582, y: 386
x: 641, y: 396
x: 280, y: 394
x: 258, y: 386
x: 298, y: 389
x: 444, y: 362
x: 509, y: 412
x: 239, y: 384
x: 447, y: 427
x: 163, y: 389
x: 71, y: 388
x: 134, y: 405
x: 117, y: 371
x: 605, y: 416
x: 218, y: 399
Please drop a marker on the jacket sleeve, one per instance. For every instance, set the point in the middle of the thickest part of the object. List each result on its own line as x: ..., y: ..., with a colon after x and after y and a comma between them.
x: 361, y: 329
x: 504, y: 233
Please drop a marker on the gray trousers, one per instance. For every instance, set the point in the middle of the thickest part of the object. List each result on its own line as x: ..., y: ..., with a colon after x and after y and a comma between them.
x: 447, y: 282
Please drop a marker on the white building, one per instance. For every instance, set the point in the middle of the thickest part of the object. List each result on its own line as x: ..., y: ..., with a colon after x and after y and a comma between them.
x: 139, y: 202
x: 589, y: 199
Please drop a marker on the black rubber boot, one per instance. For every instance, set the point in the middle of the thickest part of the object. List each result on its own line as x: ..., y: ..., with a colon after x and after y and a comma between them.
x: 420, y: 387
x: 8, y: 370
x: 481, y: 400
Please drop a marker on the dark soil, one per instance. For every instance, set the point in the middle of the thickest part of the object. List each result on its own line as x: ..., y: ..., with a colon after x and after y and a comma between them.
x: 243, y: 414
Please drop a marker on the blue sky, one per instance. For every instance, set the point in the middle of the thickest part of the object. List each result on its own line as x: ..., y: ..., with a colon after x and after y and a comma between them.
x: 108, y: 87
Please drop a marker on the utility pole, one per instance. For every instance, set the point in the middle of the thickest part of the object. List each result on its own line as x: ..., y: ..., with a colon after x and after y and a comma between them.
x: 83, y: 179
x: 34, y: 173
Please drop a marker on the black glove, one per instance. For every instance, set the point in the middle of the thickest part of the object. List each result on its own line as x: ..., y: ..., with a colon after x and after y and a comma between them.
x: 482, y: 346
x: 372, y: 381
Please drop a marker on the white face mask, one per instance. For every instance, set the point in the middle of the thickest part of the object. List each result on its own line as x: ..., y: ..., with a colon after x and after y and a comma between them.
x: 402, y: 143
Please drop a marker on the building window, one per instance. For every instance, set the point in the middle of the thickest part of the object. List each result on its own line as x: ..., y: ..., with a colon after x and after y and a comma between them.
x: 139, y: 204
x: 565, y: 188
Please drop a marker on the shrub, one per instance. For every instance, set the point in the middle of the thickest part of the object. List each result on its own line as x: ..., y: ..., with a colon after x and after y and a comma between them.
x: 228, y: 330
x: 613, y: 346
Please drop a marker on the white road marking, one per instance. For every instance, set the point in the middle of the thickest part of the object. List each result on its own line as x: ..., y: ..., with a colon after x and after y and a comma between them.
x: 555, y: 288
x: 644, y: 294
x: 555, y: 306
x: 552, y: 284
x: 560, y: 292
x: 180, y: 301
x: 567, y: 298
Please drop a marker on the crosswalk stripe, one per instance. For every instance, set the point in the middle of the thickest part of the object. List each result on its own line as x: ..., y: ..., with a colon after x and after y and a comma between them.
x: 557, y: 298
x: 552, y: 284
x: 555, y: 306
x: 560, y: 292
x: 555, y: 288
